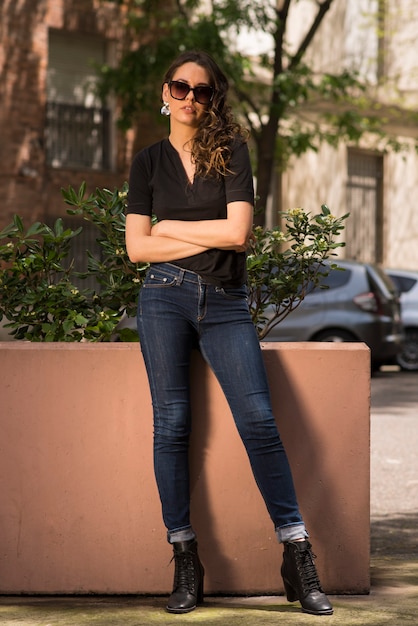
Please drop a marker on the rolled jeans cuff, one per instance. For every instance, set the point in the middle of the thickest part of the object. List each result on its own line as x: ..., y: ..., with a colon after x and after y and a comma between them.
x: 182, y: 534
x: 291, y: 532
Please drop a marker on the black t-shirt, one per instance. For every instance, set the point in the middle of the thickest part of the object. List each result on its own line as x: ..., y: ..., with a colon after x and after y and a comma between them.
x: 158, y: 185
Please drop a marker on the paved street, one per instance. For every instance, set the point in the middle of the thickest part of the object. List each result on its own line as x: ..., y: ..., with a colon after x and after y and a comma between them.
x: 394, y: 443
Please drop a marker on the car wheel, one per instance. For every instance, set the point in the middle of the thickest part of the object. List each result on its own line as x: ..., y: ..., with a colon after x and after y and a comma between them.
x: 408, y: 358
x: 334, y: 334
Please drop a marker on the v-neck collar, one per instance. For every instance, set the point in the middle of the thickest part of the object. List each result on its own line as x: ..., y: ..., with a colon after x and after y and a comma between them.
x: 190, y: 182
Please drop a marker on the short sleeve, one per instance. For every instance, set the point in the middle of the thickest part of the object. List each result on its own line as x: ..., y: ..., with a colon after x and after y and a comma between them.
x: 140, y: 190
x: 239, y: 184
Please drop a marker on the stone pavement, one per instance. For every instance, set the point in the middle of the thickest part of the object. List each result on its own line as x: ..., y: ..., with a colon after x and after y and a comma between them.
x: 394, y: 550
x: 393, y: 600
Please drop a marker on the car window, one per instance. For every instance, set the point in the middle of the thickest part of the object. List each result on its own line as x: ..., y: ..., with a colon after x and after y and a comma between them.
x: 337, y: 278
x: 382, y: 281
x: 403, y: 283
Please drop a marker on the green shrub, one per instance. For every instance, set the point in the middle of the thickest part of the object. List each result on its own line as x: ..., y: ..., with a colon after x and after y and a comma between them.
x: 40, y: 301
x: 284, y: 264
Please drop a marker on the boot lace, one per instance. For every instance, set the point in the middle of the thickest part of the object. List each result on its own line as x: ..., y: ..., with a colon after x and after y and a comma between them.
x: 307, y: 571
x: 184, y: 574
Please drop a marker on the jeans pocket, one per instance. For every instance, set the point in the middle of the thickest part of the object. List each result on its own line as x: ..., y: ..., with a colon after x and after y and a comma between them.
x: 233, y: 293
x: 158, y: 279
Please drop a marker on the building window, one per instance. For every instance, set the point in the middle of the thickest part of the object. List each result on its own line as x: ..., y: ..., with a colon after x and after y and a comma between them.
x: 364, y: 228
x: 77, y: 123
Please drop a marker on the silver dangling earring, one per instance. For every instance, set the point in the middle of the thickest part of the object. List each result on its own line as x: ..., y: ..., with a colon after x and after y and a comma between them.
x: 165, y: 109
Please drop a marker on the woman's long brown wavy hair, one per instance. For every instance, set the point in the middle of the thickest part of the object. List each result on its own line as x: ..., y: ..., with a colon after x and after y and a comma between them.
x: 218, y: 129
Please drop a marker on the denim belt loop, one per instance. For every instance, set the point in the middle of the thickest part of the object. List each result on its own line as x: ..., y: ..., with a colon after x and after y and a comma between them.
x: 180, y: 276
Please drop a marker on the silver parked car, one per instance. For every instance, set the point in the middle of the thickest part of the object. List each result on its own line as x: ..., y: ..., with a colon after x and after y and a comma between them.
x: 359, y: 303
x: 406, y: 281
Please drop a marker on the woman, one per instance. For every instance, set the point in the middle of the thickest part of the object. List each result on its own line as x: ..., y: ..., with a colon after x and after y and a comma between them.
x: 198, y: 182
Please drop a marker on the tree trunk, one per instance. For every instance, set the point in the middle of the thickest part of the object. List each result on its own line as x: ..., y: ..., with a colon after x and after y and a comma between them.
x: 266, y: 143
x: 266, y: 139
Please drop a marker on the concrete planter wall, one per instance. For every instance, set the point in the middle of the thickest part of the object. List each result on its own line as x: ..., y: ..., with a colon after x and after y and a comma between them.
x: 79, y: 510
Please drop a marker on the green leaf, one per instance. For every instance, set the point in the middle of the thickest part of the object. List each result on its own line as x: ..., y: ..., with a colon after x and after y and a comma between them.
x: 35, y: 229
x: 18, y: 223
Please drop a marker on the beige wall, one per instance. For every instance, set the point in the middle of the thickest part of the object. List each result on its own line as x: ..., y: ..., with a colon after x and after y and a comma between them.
x: 79, y: 510
x: 348, y: 38
x: 321, y: 178
x: 402, y: 216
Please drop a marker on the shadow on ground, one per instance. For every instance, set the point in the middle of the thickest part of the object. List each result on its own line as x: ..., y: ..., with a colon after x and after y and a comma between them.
x: 394, y: 549
x: 392, y: 601
x: 395, y: 535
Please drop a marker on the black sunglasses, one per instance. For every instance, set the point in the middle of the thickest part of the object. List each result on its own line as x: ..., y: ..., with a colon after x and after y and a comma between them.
x: 202, y: 94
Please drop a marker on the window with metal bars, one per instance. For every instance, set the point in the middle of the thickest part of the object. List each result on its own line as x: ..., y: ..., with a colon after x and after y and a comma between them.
x: 77, y: 124
x: 364, y: 227
x: 77, y: 136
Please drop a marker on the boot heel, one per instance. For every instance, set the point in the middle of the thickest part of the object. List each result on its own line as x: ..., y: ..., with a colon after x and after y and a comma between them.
x: 291, y: 594
x: 200, y: 593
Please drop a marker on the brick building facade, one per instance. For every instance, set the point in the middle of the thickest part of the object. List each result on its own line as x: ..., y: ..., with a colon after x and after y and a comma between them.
x: 54, y: 132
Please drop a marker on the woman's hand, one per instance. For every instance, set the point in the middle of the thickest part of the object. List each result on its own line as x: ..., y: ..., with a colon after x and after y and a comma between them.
x: 158, y: 229
x: 250, y: 240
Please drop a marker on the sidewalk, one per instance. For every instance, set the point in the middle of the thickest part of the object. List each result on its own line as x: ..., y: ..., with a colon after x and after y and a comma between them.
x: 393, y: 599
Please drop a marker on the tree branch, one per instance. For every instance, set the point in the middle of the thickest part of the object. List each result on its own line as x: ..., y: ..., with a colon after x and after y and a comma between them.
x: 323, y: 7
x: 282, y: 14
x: 245, y: 98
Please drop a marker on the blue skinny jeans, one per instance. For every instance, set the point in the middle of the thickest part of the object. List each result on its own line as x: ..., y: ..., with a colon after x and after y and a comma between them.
x: 178, y: 311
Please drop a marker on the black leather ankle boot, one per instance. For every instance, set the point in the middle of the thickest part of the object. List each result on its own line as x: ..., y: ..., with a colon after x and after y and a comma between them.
x: 188, y: 578
x: 301, y: 580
